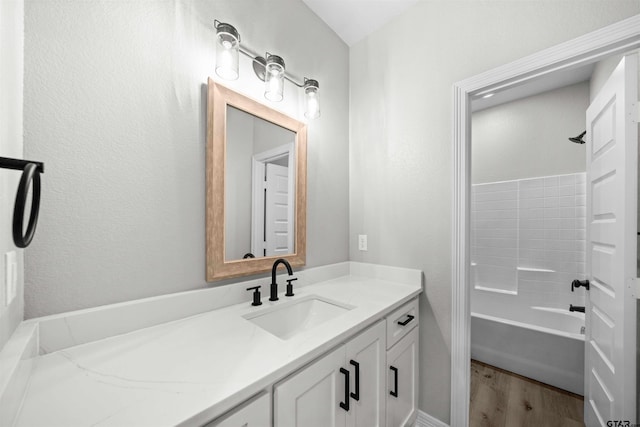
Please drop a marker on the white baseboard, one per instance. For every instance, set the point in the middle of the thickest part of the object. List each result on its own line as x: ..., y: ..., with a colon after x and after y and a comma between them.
x: 426, y: 420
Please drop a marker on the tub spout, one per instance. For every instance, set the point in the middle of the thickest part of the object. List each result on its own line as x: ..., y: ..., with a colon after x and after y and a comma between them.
x: 576, y: 308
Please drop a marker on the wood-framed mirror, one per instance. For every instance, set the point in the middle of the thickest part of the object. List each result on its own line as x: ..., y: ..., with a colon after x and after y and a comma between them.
x: 256, y: 185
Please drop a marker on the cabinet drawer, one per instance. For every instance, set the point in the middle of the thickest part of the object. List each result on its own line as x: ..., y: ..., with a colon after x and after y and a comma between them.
x: 401, y: 321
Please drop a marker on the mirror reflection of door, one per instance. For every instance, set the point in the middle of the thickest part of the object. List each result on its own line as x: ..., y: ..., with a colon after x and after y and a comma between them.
x: 276, y: 220
x: 254, y: 147
x: 273, y: 204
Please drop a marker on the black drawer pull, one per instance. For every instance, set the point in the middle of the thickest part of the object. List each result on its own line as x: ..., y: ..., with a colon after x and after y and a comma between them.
x: 406, y: 321
x: 356, y: 395
x: 345, y: 405
x: 394, y: 392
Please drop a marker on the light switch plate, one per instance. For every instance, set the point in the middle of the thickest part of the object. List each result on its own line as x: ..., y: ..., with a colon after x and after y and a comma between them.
x: 11, y: 277
x: 362, y: 242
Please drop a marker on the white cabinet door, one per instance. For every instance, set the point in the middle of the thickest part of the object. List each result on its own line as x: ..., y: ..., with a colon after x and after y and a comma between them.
x: 343, y: 389
x: 312, y: 397
x: 402, y: 381
x: 254, y: 413
x: 366, y: 360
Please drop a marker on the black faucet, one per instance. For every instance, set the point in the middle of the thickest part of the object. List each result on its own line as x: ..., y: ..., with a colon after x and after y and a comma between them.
x: 576, y: 308
x: 274, y: 284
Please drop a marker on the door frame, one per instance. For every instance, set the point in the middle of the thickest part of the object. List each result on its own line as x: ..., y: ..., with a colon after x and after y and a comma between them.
x: 258, y: 162
x: 589, y: 48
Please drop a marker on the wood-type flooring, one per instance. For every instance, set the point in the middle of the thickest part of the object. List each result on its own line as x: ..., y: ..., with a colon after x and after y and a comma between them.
x: 501, y: 398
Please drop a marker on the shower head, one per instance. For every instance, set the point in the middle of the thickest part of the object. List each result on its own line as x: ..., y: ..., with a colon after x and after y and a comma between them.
x: 578, y: 139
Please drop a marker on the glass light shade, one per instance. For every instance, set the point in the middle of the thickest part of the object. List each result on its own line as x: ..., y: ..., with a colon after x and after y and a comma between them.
x: 227, y: 51
x: 274, y: 78
x: 312, y: 98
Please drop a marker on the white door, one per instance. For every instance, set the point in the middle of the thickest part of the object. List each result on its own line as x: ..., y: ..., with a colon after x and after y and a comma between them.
x: 278, y: 224
x: 365, y: 359
x: 610, y: 340
x: 402, y: 381
x: 312, y: 397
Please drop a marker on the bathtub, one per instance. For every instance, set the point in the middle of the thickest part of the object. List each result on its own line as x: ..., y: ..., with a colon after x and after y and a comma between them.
x: 550, y: 351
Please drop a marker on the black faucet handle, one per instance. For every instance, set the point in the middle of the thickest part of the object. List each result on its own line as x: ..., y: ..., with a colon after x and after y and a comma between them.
x: 256, y: 295
x: 289, y: 292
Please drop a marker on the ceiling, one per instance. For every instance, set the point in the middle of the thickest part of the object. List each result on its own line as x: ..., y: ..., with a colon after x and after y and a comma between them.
x: 538, y: 85
x: 353, y: 20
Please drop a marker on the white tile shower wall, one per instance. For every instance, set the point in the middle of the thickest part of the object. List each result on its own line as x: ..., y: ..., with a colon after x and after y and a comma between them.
x: 528, y: 239
x: 494, y: 236
x: 554, y: 252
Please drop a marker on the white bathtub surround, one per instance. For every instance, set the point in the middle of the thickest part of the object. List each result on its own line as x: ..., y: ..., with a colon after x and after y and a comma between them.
x: 494, y: 236
x: 188, y: 370
x: 528, y: 241
x: 527, y: 246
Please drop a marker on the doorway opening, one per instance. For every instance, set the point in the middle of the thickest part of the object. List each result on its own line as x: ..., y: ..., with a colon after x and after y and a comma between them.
x: 527, y: 243
x: 561, y: 60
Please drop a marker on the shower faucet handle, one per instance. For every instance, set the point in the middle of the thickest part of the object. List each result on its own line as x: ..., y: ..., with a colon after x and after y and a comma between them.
x: 577, y: 283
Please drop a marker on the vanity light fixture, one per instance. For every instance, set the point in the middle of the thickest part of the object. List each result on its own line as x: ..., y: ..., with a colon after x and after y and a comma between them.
x: 270, y: 70
x: 227, y: 48
x: 312, y: 98
x: 274, y: 78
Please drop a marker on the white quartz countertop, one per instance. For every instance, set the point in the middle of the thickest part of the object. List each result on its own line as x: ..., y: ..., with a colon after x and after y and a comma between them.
x: 191, y: 370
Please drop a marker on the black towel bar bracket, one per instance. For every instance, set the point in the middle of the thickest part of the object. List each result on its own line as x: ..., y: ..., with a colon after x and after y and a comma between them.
x: 30, y: 174
x: 18, y: 164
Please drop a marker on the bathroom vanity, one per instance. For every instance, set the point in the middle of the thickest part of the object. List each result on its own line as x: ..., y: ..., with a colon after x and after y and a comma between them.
x: 346, y: 354
x: 352, y: 385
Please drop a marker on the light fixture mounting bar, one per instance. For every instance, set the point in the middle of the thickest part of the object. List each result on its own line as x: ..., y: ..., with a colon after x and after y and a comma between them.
x: 260, y: 61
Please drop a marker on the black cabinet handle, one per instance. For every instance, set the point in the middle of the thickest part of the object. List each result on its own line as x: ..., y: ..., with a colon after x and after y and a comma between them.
x: 345, y: 405
x: 356, y: 395
x: 394, y: 393
x: 407, y: 320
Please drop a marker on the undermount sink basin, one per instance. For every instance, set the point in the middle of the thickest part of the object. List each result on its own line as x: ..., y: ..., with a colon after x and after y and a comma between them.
x: 291, y: 318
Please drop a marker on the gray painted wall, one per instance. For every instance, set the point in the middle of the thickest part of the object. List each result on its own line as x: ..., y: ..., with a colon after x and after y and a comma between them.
x: 115, y: 104
x: 400, y: 120
x: 528, y: 138
x: 240, y: 132
x: 268, y: 136
x: 11, y: 79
